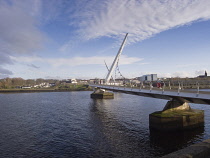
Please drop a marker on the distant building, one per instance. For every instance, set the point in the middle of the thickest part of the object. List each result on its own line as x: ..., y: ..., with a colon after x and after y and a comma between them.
x: 149, y: 78
x: 65, y: 82
x: 47, y: 85
x: 26, y: 87
x: 92, y: 81
x: 83, y: 81
x: 74, y: 81
x: 203, y: 76
x: 51, y: 84
x: 135, y: 81
x: 36, y: 86
x: 68, y: 82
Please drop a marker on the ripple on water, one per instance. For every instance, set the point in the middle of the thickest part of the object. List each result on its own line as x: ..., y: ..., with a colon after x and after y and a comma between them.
x: 71, y: 124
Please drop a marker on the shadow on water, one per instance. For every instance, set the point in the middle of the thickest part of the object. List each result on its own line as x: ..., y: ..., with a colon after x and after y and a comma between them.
x: 172, y: 141
x: 70, y: 124
x: 120, y: 140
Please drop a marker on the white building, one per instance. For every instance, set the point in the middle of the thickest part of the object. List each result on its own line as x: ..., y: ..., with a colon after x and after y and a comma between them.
x: 73, y: 81
x: 149, y: 78
x: 26, y: 87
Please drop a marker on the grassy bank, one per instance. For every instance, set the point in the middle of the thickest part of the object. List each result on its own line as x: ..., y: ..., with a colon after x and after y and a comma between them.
x: 52, y: 89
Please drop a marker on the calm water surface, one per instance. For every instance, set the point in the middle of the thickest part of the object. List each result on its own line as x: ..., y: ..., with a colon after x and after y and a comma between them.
x: 71, y: 125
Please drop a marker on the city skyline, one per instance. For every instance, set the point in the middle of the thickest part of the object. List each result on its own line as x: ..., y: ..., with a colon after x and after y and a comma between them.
x: 71, y: 39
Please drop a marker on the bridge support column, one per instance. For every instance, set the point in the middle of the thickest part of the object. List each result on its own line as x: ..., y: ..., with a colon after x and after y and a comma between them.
x: 101, y: 94
x: 176, y: 115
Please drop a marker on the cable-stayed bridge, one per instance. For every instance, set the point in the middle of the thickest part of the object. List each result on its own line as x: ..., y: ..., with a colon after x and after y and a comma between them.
x: 183, y: 96
x: 176, y: 115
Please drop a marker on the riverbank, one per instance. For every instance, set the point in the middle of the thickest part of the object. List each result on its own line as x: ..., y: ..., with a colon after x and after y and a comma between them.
x: 37, y: 90
x: 199, y: 150
x: 78, y: 88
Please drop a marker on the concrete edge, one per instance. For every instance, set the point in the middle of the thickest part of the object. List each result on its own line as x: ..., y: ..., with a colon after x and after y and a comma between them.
x: 199, y: 150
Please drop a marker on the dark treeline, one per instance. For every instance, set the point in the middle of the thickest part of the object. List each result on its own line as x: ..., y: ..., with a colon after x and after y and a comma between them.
x: 190, y: 81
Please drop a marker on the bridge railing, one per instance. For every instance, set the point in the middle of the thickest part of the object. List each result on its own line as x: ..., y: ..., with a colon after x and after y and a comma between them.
x: 149, y: 86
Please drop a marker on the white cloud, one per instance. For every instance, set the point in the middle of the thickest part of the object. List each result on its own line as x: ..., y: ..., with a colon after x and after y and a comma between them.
x: 200, y: 72
x: 44, y: 11
x: 141, y: 19
x: 76, y: 61
x: 27, y: 59
x: 183, y: 74
x: 5, y: 72
x: 186, y: 65
x: 19, y: 33
x: 33, y: 66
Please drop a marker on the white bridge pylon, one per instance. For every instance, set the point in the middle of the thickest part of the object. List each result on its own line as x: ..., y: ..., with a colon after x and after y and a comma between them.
x: 107, y: 79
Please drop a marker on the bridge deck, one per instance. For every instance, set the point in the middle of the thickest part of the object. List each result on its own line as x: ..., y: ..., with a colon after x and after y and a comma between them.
x: 185, y: 96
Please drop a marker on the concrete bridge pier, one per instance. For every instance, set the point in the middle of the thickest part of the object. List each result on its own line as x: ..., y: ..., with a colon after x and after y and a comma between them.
x: 101, y: 94
x: 176, y: 115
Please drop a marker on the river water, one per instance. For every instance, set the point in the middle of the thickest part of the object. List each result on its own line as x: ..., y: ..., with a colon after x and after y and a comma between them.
x: 72, y: 125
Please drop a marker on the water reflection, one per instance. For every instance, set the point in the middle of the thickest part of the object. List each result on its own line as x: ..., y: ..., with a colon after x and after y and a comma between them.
x: 74, y: 125
x: 121, y: 140
x: 170, y: 141
x: 125, y: 138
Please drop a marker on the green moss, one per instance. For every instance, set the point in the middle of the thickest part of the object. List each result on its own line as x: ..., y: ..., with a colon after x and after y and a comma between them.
x: 176, y: 113
x: 104, y: 93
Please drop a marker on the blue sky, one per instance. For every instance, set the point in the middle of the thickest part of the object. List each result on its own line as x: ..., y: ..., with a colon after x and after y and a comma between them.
x: 72, y: 38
